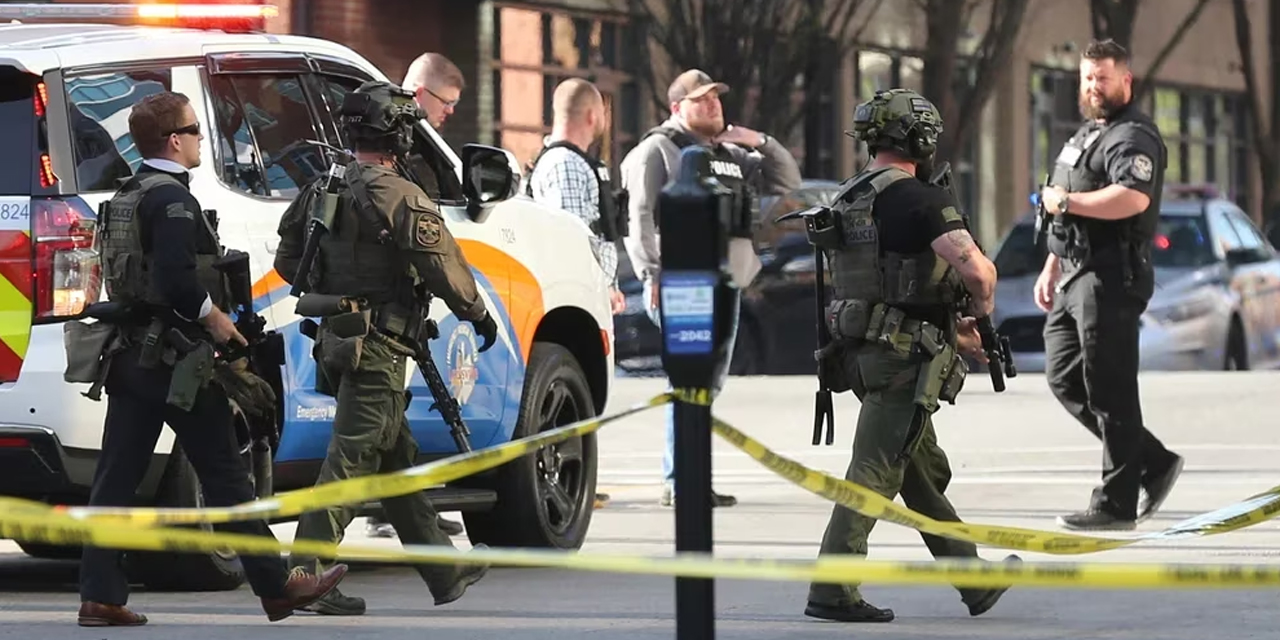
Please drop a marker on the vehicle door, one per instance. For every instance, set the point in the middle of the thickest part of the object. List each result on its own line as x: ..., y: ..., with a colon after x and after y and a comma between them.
x: 261, y: 121
x: 1261, y: 267
x: 478, y: 381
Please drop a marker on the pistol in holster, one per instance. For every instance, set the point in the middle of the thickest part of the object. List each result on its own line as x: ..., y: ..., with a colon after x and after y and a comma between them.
x: 192, y: 368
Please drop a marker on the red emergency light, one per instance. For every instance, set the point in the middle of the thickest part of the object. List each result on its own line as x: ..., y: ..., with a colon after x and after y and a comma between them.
x: 159, y: 11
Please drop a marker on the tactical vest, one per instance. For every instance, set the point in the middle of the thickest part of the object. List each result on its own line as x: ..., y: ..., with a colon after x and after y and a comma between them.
x: 613, y: 219
x: 725, y: 168
x: 358, y: 258
x: 867, y: 281
x: 127, y: 268
x: 1087, y: 243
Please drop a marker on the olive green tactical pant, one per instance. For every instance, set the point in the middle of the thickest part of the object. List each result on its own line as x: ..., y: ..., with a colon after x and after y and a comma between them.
x: 895, y: 450
x: 371, y: 435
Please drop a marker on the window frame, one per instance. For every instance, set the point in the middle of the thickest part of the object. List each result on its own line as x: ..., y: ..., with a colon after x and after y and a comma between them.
x: 67, y: 76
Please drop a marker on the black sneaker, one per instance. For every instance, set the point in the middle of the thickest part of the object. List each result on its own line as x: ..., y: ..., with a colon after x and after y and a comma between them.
x: 335, y: 603
x: 860, y: 611
x: 449, y: 527
x: 1158, y: 489
x: 1095, y: 520
x: 668, y: 498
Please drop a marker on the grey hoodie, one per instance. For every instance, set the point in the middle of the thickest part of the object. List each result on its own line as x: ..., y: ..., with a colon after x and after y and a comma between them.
x: 650, y: 165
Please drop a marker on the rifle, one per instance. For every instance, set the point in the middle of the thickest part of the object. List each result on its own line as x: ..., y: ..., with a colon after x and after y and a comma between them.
x: 444, y: 402
x: 994, y: 346
x: 322, y: 215
x: 1043, y: 217
x: 824, y: 419
x: 234, y: 266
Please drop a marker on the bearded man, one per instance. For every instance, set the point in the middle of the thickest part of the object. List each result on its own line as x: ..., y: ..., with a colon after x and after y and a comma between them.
x: 1100, y: 209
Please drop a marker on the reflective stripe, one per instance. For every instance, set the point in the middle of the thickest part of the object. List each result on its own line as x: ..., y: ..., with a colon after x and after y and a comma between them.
x: 15, y: 302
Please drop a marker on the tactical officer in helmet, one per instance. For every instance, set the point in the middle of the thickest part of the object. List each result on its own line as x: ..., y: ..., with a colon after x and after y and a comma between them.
x: 899, y: 325
x: 158, y: 255
x: 1104, y: 199
x: 388, y: 247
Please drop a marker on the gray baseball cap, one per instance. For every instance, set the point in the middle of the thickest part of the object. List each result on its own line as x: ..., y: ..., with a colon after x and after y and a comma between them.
x: 692, y: 84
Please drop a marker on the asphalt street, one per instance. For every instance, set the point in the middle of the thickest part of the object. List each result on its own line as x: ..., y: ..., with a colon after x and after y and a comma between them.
x: 1017, y: 459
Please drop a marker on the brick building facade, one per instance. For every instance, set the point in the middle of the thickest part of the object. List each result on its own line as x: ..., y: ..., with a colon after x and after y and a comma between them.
x: 513, y: 53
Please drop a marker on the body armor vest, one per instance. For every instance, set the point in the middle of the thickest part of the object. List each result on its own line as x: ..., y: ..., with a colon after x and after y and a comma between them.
x: 875, y: 290
x: 358, y: 258
x: 613, y: 219
x: 1087, y: 243
x: 860, y: 270
x: 127, y: 267
x: 725, y: 168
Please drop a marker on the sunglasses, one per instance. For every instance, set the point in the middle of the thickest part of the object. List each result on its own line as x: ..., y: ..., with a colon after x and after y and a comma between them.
x: 191, y: 130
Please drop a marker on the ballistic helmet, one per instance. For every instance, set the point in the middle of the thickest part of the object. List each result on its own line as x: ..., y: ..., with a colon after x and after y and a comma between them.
x: 898, y: 119
x: 381, y: 115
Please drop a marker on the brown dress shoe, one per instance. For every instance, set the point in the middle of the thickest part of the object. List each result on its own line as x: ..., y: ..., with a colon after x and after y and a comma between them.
x: 96, y: 614
x: 301, y: 590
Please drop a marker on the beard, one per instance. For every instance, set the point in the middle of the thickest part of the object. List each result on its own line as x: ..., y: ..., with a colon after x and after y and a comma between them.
x: 708, y: 127
x: 1109, y: 105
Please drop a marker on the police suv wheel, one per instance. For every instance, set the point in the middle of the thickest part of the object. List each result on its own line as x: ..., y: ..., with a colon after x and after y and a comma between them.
x: 217, y: 571
x: 546, y: 498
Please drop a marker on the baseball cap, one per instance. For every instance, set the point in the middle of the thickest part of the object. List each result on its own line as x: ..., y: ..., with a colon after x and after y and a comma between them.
x: 693, y: 83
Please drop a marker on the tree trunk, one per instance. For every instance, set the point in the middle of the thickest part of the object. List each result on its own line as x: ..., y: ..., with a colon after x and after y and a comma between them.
x: 1264, y: 133
x: 1146, y: 79
x: 1114, y: 19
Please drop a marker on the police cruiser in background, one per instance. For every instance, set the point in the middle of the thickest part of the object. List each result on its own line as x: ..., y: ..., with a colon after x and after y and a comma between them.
x: 264, y: 101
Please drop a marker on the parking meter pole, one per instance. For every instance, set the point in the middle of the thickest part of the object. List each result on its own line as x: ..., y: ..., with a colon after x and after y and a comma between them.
x: 694, y: 299
x: 695, y: 597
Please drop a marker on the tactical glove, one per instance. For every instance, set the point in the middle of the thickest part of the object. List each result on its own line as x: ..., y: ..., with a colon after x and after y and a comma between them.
x: 251, y: 393
x: 488, y: 329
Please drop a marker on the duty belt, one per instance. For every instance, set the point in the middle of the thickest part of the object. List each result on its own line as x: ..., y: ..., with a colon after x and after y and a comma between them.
x: 850, y: 322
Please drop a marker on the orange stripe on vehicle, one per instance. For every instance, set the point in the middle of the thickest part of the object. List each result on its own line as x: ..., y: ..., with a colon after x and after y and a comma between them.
x: 523, y: 298
x: 268, y: 283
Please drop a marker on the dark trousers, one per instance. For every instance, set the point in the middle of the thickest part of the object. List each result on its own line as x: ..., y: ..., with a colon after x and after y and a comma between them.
x: 1091, y: 362
x: 136, y: 411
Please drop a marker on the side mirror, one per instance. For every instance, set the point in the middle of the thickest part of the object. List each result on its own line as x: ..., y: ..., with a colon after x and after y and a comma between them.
x: 1240, y: 256
x: 489, y: 175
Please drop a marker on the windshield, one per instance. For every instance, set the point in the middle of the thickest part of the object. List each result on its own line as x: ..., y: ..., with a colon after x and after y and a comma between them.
x: 1180, y: 242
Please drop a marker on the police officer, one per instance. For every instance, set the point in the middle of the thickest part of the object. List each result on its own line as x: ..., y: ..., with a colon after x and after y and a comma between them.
x: 894, y: 316
x: 1104, y: 196
x: 749, y: 162
x: 388, y: 243
x: 158, y: 253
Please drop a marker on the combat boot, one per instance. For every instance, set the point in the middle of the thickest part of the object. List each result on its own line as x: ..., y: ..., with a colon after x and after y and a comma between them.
x: 987, y: 598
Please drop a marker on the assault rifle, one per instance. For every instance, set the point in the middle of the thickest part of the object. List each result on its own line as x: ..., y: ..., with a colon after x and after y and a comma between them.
x: 323, y: 210
x: 995, y: 347
x: 817, y: 220
x: 234, y: 266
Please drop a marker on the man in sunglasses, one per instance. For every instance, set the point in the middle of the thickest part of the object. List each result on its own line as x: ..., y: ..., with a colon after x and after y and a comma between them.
x: 158, y: 252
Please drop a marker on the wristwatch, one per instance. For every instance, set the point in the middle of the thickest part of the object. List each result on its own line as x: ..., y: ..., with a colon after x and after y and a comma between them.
x: 764, y: 139
x: 1064, y: 202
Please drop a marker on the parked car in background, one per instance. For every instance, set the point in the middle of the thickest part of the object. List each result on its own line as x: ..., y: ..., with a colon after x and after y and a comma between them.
x: 776, y: 335
x: 1217, y: 298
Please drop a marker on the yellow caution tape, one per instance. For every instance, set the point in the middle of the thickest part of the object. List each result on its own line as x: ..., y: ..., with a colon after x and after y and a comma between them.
x: 34, y: 522
x: 1258, y: 508
x: 357, y: 490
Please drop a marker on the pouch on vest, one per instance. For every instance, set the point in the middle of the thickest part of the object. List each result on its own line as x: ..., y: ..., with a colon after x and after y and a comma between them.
x: 848, y: 319
x: 191, y: 372
x: 342, y: 342
x: 89, y: 347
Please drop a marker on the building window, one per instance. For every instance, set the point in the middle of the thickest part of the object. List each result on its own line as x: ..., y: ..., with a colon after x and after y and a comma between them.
x: 537, y: 49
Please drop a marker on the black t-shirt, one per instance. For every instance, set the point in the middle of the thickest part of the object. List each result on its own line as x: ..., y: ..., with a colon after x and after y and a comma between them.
x: 911, y: 216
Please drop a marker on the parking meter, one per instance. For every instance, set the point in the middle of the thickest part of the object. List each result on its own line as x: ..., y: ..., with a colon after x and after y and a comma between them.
x: 697, y: 216
x: 696, y: 298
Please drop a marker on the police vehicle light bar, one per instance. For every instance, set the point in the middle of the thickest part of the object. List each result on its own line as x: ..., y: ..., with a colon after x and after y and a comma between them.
x: 152, y: 11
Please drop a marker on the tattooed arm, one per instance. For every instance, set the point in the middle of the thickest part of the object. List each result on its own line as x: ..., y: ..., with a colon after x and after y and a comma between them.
x: 961, y: 252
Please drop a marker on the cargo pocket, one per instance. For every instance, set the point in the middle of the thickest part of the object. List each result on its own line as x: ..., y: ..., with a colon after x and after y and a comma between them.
x: 342, y: 341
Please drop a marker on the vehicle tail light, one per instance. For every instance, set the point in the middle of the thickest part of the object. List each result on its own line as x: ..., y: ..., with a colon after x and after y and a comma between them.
x: 67, y: 272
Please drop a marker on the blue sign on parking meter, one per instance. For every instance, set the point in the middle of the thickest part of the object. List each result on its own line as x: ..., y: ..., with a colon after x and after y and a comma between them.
x: 688, y: 312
